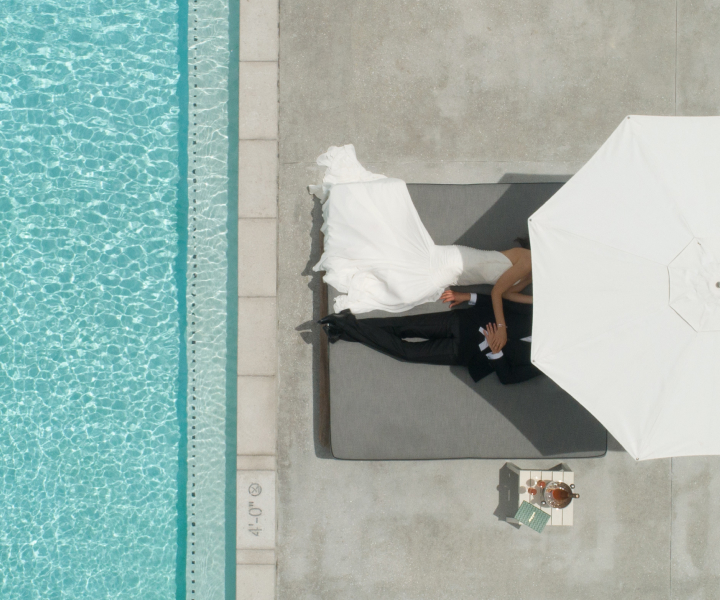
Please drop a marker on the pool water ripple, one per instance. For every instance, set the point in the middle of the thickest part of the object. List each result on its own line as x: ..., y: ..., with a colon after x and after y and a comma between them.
x: 89, y: 324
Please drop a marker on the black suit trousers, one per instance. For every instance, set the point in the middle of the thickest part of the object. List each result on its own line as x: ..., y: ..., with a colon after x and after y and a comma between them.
x: 440, y: 333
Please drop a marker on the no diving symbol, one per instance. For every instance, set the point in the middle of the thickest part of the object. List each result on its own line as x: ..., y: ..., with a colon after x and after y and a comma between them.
x: 255, y: 489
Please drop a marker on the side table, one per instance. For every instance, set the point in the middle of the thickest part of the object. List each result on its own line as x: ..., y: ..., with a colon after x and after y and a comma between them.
x: 561, y: 472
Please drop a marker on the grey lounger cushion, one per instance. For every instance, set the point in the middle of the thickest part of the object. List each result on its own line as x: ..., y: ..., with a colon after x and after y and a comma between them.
x: 383, y: 409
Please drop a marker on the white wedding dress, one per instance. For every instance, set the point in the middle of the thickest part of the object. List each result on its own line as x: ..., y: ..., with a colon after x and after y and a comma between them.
x: 377, y: 252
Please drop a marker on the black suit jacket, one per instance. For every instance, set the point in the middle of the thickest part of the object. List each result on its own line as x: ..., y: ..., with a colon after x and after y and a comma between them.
x: 515, y: 365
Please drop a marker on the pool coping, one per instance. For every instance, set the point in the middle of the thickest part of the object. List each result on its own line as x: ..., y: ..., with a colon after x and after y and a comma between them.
x: 258, y: 117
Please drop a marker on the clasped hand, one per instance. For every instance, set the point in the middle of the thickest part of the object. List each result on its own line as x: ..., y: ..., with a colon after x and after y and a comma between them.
x: 455, y: 298
x: 496, y: 337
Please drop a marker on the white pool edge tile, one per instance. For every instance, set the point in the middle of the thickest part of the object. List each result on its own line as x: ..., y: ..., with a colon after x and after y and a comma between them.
x: 255, y: 582
x: 257, y: 291
x: 259, y: 30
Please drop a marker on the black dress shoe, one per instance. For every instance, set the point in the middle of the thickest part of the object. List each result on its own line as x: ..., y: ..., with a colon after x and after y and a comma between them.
x: 335, y: 317
x: 333, y: 333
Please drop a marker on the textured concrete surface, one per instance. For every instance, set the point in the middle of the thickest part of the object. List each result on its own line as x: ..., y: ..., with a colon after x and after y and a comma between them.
x: 470, y: 80
x: 470, y: 92
x: 695, y: 528
x: 698, y: 57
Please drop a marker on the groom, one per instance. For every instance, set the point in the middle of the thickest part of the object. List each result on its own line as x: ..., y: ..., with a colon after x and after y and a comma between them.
x: 458, y: 337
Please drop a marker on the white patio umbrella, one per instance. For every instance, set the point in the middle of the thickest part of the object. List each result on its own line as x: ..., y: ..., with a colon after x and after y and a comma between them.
x: 626, y: 286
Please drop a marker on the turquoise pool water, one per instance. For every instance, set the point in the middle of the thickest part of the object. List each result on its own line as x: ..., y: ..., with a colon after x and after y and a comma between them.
x: 90, y: 324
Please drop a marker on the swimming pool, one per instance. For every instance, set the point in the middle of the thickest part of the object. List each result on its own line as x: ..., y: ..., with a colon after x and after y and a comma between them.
x: 93, y: 242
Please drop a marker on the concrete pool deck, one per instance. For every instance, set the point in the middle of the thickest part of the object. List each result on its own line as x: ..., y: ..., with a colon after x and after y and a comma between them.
x: 455, y: 92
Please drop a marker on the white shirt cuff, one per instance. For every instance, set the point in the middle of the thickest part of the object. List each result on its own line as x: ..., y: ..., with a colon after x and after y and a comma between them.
x: 473, y: 299
x: 495, y: 356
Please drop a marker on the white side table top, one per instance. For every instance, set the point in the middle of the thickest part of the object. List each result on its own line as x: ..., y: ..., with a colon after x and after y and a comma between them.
x: 558, y: 516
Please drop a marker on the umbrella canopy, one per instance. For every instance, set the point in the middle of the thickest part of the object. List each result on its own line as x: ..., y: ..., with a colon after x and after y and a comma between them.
x: 626, y: 286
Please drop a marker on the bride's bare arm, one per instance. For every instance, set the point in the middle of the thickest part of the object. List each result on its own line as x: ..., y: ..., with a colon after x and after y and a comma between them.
x: 519, y: 286
x: 519, y: 271
x: 517, y: 297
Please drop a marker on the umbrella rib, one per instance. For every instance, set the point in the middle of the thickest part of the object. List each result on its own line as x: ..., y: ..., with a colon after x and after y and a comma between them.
x: 651, y: 430
x: 661, y: 175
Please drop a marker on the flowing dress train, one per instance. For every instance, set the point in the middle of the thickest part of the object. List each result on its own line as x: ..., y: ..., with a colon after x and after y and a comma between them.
x: 377, y: 252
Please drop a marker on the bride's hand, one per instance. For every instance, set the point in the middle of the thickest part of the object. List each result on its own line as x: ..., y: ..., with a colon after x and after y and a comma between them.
x: 496, y: 337
x: 454, y: 298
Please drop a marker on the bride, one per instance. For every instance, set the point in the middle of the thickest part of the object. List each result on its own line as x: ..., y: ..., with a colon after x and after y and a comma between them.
x: 379, y: 255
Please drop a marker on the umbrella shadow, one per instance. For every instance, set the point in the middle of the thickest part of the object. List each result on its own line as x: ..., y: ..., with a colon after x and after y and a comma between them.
x: 508, y: 496
x: 547, y: 416
x: 311, y: 334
